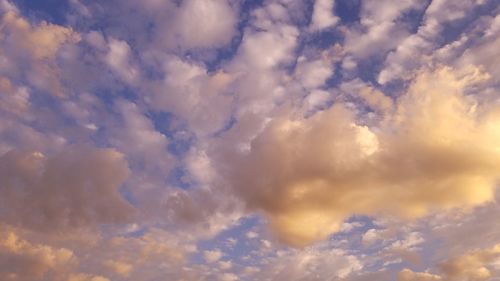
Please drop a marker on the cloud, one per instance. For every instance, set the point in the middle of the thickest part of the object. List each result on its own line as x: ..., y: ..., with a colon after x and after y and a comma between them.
x: 86, y: 277
x: 313, y: 73
x: 119, y: 267
x: 29, y: 51
x: 408, y: 275
x: 312, y: 264
x: 309, y: 174
x: 401, y: 62
x: 237, y: 129
x: 228, y: 277
x: 381, y: 29
x: 176, y: 26
x: 322, y: 16
x: 472, y: 266
x: 21, y: 260
x: 194, y: 95
x: 205, y: 23
x: 77, y: 187
x: 212, y: 256
x: 13, y: 99
x: 119, y: 60
x: 42, y: 41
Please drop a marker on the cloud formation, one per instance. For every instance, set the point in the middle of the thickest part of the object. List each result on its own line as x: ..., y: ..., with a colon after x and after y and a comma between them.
x: 75, y: 188
x: 309, y: 174
x: 472, y: 266
x: 273, y: 140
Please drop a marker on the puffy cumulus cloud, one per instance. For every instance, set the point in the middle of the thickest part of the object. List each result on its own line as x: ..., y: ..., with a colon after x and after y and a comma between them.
x: 212, y: 256
x: 311, y: 264
x: 202, y: 24
x: 149, y: 256
x: 313, y: 73
x: 309, y: 174
x: 137, y: 137
x: 203, y: 212
x: 77, y: 187
x: 190, y: 25
x: 472, y: 266
x: 29, y: 50
x: 322, y: 16
x: 118, y: 58
x: 439, y: 15
x: 21, y: 260
x: 42, y: 41
x: 268, y: 48
x: 13, y: 99
x: 194, y: 95
x: 381, y: 27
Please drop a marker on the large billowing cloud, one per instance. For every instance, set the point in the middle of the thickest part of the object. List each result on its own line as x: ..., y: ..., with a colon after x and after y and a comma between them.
x: 437, y: 148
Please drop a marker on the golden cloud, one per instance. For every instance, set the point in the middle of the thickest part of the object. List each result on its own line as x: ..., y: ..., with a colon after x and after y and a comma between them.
x: 438, y: 148
x: 21, y: 260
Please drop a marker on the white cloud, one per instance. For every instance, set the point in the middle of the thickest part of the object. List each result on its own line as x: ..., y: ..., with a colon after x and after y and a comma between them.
x: 212, y: 256
x: 205, y: 23
x: 323, y: 15
x: 119, y: 60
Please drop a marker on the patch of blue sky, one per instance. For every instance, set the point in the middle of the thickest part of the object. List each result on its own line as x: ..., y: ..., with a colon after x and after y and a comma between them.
x: 108, y: 231
x: 53, y: 11
x: 321, y: 40
x: 413, y: 18
x: 226, y: 127
x: 348, y: 10
x: 369, y: 68
x: 336, y: 78
x: 359, y: 226
x: 179, y: 177
x: 302, y: 17
x: 394, y: 88
x: 128, y: 194
x: 176, y: 130
x: 52, y: 109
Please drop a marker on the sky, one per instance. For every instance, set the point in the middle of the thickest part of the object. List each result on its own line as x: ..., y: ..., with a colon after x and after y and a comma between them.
x: 249, y: 140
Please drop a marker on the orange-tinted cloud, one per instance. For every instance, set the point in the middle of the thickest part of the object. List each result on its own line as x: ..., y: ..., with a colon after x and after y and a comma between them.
x: 437, y: 148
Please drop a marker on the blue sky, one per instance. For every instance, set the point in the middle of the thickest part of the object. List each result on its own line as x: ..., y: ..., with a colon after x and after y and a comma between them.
x: 219, y: 140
